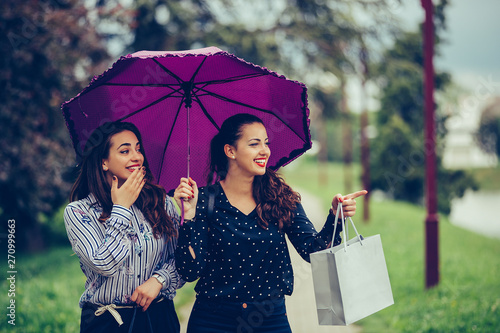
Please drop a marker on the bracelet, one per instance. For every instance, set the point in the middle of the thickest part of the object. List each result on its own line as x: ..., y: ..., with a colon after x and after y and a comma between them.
x: 160, y: 279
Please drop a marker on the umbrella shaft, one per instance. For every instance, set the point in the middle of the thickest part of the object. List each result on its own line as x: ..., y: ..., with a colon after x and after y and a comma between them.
x: 188, y: 143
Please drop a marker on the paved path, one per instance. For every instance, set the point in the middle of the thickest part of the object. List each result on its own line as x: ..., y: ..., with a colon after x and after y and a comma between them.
x: 478, y: 212
x: 301, y: 306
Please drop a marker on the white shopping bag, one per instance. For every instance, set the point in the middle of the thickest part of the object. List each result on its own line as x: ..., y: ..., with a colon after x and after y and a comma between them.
x: 350, y: 280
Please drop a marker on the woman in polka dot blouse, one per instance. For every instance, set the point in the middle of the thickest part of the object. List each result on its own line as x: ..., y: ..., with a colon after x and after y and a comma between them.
x: 238, y: 250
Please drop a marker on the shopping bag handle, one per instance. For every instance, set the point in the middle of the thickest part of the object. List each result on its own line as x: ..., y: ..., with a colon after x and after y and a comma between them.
x: 344, y: 227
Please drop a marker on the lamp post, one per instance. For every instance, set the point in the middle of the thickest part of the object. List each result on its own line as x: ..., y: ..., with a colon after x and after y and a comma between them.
x: 365, y: 144
x: 431, y: 220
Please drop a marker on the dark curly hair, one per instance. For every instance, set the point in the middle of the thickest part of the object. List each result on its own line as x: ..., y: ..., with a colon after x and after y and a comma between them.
x: 92, y: 179
x: 276, y: 201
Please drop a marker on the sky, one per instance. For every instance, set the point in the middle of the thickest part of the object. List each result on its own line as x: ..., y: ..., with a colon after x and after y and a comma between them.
x: 470, y: 50
x: 472, y: 43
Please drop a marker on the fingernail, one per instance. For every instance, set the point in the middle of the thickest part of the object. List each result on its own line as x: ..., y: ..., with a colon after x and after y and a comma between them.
x: 341, y: 199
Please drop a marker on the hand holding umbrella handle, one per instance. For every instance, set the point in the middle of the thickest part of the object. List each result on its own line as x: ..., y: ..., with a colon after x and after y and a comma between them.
x: 186, y: 196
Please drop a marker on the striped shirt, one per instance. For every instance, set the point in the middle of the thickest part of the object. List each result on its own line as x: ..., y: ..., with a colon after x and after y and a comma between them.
x: 119, y: 255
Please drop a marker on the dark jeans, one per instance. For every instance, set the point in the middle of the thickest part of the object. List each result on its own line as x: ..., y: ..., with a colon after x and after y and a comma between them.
x: 159, y: 317
x: 210, y: 316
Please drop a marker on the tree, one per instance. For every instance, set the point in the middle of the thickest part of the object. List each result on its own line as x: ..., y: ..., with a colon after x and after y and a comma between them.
x: 488, y: 134
x: 49, y: 49
x: 398, y: 155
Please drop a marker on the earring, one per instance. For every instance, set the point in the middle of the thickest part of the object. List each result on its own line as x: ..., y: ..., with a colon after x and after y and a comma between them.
x: 233, y: 157
x: 105, y: 168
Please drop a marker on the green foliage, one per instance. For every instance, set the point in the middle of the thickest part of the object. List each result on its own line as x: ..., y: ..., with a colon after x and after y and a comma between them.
x: 400, y: 73
x: 399, y: 151
x: 186, y: 24
x: 467, y: 297
x: 398, y: 160
x: 453, y: 184
x: 44, y: 42
x: 488, y: 134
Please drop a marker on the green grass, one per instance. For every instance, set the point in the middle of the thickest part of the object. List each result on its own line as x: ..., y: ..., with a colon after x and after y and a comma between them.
x: 488, y: 178
x: 467, y: 298
x: 48, y: 288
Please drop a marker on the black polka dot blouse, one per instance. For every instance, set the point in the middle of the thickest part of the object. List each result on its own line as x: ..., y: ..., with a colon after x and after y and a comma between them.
x: 236, y: 259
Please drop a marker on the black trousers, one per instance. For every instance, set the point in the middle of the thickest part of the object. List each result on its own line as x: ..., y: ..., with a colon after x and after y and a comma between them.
x: 209, y: 316
x: 159, y: 317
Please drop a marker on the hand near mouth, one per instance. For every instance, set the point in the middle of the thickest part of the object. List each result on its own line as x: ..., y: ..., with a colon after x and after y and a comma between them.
x: 128, y: 193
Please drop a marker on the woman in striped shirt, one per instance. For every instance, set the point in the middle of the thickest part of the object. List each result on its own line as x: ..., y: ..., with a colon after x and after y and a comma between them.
x: 123, y: 228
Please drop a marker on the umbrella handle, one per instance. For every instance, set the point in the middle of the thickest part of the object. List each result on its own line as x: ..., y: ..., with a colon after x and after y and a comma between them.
x: 182, y: 211
x: 188, y: 161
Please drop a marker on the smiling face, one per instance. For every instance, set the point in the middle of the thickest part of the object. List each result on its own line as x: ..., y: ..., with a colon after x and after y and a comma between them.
x: 251, y: 153
x: 124, y: 157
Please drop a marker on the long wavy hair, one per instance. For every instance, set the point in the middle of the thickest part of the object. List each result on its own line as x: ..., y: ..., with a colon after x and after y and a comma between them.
x: 276, y: 201
x: 92, y: 179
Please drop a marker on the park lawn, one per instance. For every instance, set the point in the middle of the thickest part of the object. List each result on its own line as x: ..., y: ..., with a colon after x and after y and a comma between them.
x: 487, y: 178
x: 467, y: 298
x: 48, y: 288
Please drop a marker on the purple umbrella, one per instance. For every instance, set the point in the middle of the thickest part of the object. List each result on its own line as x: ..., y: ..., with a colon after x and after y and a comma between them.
x: 178, y: 100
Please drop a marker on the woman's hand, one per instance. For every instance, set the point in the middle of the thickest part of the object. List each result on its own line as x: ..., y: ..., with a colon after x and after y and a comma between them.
x: 128, y: 193
x: 348, y: 202
x: 146, y: 293
x: 187, y: 191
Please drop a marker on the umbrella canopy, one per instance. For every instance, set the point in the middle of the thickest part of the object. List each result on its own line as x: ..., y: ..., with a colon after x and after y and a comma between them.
x: 179, y: 100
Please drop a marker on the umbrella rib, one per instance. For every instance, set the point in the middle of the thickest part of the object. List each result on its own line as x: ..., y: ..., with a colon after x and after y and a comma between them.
x: 209, y: 117
x: 233, y: 79
x: 168, y: 71
x: 251, y: 107
x: 140, y: 85
x: 147, y: 106
x: 168, y: 139
x: 198, y: 69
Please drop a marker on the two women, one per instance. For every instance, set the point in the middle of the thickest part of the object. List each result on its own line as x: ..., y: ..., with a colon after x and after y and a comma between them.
x: 233, y: 239
x: 123, y: 228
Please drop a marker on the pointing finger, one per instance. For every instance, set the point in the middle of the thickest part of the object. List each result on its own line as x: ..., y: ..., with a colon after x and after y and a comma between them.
x: 355, y: 194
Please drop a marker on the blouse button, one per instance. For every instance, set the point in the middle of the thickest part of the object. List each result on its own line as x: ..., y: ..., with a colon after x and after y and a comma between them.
x: 244, y: 305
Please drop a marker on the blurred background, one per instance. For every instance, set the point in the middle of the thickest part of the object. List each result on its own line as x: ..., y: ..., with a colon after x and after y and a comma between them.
x: 362, y: 62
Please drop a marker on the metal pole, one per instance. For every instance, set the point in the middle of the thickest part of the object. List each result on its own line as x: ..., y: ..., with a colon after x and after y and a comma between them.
x: 431, y: 220
x: 365, y: 144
